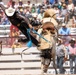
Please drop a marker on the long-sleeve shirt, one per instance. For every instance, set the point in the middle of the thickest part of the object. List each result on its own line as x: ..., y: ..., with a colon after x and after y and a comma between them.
x: 64, y: 31
x: 72, y: 50
x: 60, y: 50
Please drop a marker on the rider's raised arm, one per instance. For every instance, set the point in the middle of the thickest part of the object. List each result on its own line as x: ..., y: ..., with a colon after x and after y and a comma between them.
x: 3, y: 7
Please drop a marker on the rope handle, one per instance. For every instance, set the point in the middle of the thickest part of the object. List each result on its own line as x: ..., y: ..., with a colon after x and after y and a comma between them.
x: 40, y: 35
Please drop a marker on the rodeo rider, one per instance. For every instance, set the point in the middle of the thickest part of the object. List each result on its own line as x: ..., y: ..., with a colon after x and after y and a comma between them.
x: 21, y: 22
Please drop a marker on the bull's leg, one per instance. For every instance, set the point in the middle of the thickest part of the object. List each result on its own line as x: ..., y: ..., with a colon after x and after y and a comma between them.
x: 44, y: 68
x: 54, y: 64
x: 44, y: 65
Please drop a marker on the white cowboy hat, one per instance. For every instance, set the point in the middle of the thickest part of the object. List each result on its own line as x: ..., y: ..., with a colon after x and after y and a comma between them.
x: 59, y: 39
x: 63, y: 24
x: 34, y: 14
x: 73, y: 39
x: 10, y: 11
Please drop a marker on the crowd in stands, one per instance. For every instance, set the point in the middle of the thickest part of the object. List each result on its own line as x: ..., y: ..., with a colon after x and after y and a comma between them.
x: 64, y: 10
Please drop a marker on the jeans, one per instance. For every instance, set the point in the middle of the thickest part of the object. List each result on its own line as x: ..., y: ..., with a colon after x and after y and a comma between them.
x: 60, y: 61
x: 72, y: 59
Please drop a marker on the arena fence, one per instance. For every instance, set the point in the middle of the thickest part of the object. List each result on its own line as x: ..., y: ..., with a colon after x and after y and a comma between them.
x: 11, y: 63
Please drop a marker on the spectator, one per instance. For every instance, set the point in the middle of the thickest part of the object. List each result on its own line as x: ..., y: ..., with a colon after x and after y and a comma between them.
x: 64, y: 32
x: 5, y: 21
x: 70, y: 5
x: 21, y: 12
x: 52, y: 2
x: 1, y: 1
x: 57, y: 11
x: 29, y: 4
x: 33, y: 8
x: 66, y: 1
x: 74, y: 17
x: 38, y: 9
x: 47, y: 2
x: 13, y: 34
x: 61, y: 54
x: 9, y: 3
x: 40, y: 15
x: 64, y: 13
x: 72, y: 55
x: 62, y: 2
x: 13, y: 27
x: 13, y: 4
x: 59, y: 5
x: 74, y: 1
x: 16, y: 44
x: 20, y: 3
x: 70, y: 8
x: 27, y: 11
x: 59, y: 18
x: 74, y: 21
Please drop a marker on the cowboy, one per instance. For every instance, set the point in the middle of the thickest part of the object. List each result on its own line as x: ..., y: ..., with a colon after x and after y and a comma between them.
x: 47, y: 49
x: 72, y: 55
x: 64, y: 33
x: 21, y: 22
x: 61, y: 55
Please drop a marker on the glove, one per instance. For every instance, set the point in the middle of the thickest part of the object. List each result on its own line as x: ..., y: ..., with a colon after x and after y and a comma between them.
x: 65, y: 59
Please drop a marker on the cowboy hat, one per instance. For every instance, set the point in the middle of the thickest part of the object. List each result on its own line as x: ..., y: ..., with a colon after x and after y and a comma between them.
x: 64, y: 5
x: 60, y: 40
x: 34, y: 14
x: 72, y: 40
x: 10, y: 11
x: 63, y: 24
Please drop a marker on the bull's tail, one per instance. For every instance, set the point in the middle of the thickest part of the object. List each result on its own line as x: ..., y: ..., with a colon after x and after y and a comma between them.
x: 23, y: 51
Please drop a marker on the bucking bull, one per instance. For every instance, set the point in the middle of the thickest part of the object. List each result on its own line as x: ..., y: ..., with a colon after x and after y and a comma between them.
x: 48, y: 32
x: 47, y: 47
